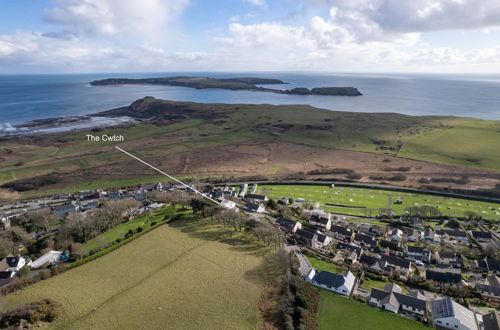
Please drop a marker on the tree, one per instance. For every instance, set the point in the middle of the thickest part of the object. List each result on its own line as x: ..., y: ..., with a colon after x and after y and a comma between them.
x: 198, y: 205
x: 38, y: 220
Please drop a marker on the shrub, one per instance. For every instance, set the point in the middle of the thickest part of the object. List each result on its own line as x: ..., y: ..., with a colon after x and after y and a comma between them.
x: 46, y: 310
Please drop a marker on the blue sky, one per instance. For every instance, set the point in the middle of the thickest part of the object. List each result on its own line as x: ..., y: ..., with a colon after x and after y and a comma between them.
x: 58, y: 36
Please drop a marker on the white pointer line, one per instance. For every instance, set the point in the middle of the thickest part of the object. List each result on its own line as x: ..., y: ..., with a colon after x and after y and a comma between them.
x: 171, y: 177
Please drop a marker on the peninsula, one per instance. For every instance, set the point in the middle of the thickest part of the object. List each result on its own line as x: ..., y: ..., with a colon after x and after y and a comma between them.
x: 243, y: 83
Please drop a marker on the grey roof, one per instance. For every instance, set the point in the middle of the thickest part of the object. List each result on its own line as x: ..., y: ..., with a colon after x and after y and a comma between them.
x: 491, y: 321
x: 365, y: 239
x: 378, y: 294
x: 305, y: 233
x: 452, y: 232
x: 410, y: 301
x: 255, y: 196
x: 443, y: 277
x: 329, y: 279
x: 489, y: 288
x: 481, y: 234
x: 447, y: 255
x: 415, y: 249
x: 448, y: 307
x: 368, y: 260
x: 391, y: 300
x: 397, y: 261
x: 288, y: 224
x: 392, y: 287
x: 341, y: 230
x: 252, y: 206
x: 344, y: 246
x: 319, y: 219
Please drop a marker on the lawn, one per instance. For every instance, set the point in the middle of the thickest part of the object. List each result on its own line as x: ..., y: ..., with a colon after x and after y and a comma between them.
x: 340, y: 313
x: 370, y: 284
x: 119, y: 231
x: 324, y: 265
x: 185, y: 275
x: 366, y: 202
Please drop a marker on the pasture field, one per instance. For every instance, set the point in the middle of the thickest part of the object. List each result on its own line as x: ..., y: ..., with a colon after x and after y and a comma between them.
x: 340, y: 313
x: 366, y: 202
x: 189, y: 274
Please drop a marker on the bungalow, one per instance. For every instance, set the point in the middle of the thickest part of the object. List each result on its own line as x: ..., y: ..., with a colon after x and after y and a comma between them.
x: 254, y: 207
x: 453, y: 234
x: 288, y: 225
x: 431, y: 237
x: 488, y: 265
x: 418, y: 253
x: 443, y: 277
x: 365, y: 240
x: 491, y: 321
x: 65, y: 209
x: 255, y: 197
x: 482, y: 236
x: 446, y: 313
x: 342, y: 284
x: 414, y: 235
x: 396, y: 235
x: 341, y: 233
x: 393, y: 300
x: 401, y: 265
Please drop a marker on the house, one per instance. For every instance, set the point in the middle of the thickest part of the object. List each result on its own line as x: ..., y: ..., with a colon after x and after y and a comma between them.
x: 448, y: 259
x: 414, y: 235
x: 228, y: 204
x: 488, y: 265
x: 431, y: 237
x: 342, y: 284
x: 15, y: 263
x: 9, y: 266
x: 288, y: 225
x: 365, y: 240
x: 48, y: 259
x: 447, y: 313
x: 373, y: 263
x: 255, y: 197
x: 4, y: 223
x: 491, y: 321
x: 482, y: 236
x: 321, y: 219
x: 453, y: 234
x: 394, y: 263
x: 140, y: 195
x: 392, y: 248
x: 7, y: 217
x: 254, y: 207
x: 243, y: 190
x: 418, y: 253
x: 341, y: 233
x: 309, y: 238
x: 65, y: 209
x: 491, y: 288
x: 324, y: 240
x: 443, y: 277
x: 393, y: 300
x: 396, y: 235
x: 349, y: 247
x: 88, y: 205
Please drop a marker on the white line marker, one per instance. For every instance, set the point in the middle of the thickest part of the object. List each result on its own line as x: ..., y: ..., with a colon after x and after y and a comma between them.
x: 171, y: 177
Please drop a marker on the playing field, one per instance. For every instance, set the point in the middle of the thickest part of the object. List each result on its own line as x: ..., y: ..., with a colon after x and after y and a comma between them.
x: 340, y: 313
x: 186, y: 275
x: 366, y: 202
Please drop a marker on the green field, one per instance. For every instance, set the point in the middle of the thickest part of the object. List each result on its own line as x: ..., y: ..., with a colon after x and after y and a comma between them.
x: 340, y: 313
x: 324, y: 265
x: 119, y: 231
x: 185, y: 275
x: 359, y: 201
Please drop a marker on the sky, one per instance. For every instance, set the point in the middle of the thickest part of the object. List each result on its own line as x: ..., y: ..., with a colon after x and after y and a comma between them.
x: 80, y: 36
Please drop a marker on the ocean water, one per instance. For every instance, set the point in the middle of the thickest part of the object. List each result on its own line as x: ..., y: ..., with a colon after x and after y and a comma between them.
x: 28, y: 97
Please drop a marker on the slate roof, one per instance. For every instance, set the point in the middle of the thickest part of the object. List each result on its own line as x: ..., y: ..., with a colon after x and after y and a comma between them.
x: 447, y: 255
x: 341, y: 230
x: 397, y: 261
x: 329, y: 279
x: 491, y: 321
x: 288, y: 224
x: 416, y: 249
x: 481, y: 234
x: 410, y: 301
x: 305, y: 233
x: 451, y: 232
x: 448, y: 307
x: 366, y: 239
x: 252, y: 206
x: 443, y: 277
x: 344, y: 246
x: 489, y: 288
x: 255, y: 196
x: 319, y: 219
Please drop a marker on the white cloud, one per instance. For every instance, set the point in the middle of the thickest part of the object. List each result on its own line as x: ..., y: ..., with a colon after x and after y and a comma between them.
x: 145, y: 19
x: 260, y: 3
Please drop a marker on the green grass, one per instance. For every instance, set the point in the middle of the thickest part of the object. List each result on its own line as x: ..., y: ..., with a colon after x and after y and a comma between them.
x: 371, y: 200
x: 325, y: 265
x: 340, y: 313
x: 119, y: 231
x: 185, y: 275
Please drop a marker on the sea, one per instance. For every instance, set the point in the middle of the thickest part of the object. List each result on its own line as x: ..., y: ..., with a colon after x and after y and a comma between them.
x: 27, y: 97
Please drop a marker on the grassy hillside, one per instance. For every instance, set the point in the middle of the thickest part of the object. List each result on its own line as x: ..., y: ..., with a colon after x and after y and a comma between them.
x: 339, y: 313
x: 176, y: 129
x: 185, y: 275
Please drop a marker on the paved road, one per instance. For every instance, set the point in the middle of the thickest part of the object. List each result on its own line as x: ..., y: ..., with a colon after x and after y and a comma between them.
x: 305, y: 267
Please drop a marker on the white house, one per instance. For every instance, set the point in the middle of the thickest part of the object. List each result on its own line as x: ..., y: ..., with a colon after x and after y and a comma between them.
x: 342, y: 284
x: 228, y: 203
x: 446, y: 313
